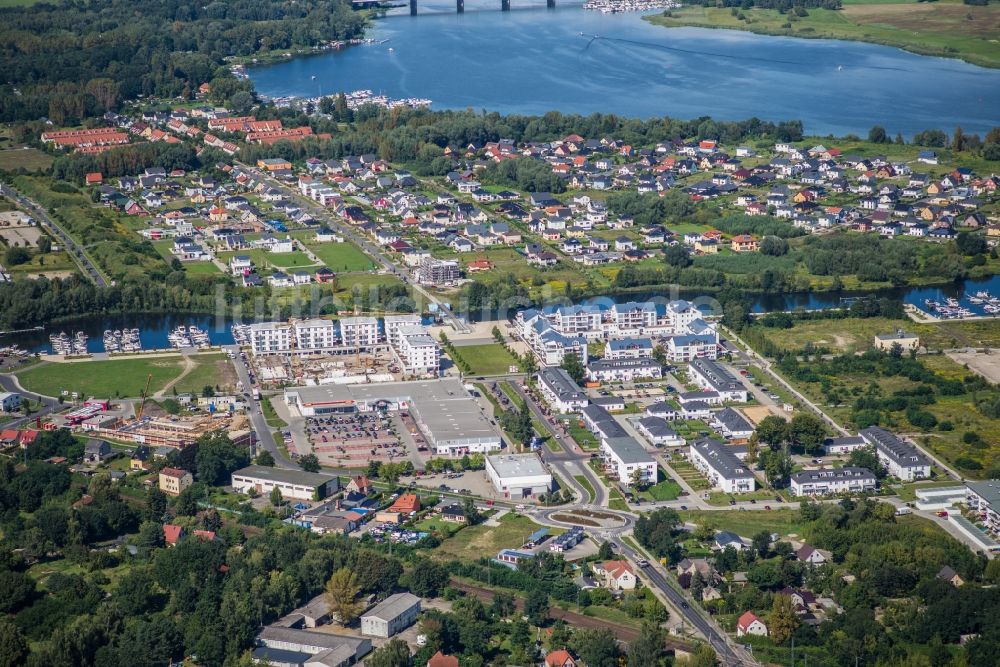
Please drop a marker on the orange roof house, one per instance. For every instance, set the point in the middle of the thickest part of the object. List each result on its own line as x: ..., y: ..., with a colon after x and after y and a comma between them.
x: 560, y: 658
x: 94, y: 178
x: 439, y: 659
x: 172, y: 533
x: 406, y: 503
x: 744, y: 243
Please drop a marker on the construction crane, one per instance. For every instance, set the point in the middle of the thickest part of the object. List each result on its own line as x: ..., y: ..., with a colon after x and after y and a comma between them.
x: 142, y: 403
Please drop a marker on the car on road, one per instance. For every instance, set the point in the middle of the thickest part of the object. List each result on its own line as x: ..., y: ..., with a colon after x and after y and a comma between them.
x: 732, y: 501
x: 684, y: 604
x: 684, y: 507
x: 643, y: 562
x: 767, y: 507
x: 778, y: 499
x: 753, y: 501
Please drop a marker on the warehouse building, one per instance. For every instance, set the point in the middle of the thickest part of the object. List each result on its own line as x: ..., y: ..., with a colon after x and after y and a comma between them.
x: 391, y: 616
x: 518, y: 475
x: 293, y: 484
x: 293, y: 647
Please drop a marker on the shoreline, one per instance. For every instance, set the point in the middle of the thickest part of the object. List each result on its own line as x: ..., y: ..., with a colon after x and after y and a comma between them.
x: 762, y: 29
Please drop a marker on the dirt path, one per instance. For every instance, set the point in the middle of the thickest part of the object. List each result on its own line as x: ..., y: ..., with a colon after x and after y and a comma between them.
x: 189, y: 366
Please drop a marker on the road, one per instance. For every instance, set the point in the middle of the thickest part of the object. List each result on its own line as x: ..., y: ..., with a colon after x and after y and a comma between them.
x: 359, y: 240
x: 265, y: 437
x: 567, y: 461
x: 75, y: 250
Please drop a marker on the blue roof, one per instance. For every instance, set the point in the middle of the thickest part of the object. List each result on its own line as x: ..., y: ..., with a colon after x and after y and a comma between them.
x: 630, y: 344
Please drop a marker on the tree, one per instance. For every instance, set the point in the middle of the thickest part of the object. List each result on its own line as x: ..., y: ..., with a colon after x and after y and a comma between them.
x: 44, y: 245
x: 596, y: 648
x: 703, y: 656
x: 646, y: 649
x: 536, y: 606
x: 309, y: 463
x: 772, y: 430
x: 877, y: 135
x: 394, y: 654
x: 16, y: 255
x: 762, y: 544
x: 774, y: 246
x: 13, y: 645
x: 276, y: 498
x: 342, y: 596
x: 867, y: 457
x: 808, y: 431
x: 677, y: 256
x: 208, y: 391
x: 777, y: 466
x: 783, y: 621
x: 638, y: 479
x: 753, y: 448
x: 16, y: 591
x: 217, y: 457
x: 427, y: 578
x: 265, y: 459
x: 605, y: 551
x: 572, y: 365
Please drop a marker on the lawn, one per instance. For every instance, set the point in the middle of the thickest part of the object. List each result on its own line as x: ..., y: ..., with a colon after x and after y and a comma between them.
x: 664, y: 489
x: 103, y: 379
x: 690, y: 474
x: 213, y: 370
x: 748, y: 523
x: 434, y: 524
x: 489, y: 359
x: 29, y: 159
x: 263, y: 259
x: 481, y: 541
x: 585, y: 483
x: 270, y: 416
x: 342, y: 257
x: 582, y: 436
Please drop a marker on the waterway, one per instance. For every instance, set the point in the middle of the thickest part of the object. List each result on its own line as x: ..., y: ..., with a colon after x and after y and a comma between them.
x: 154, y: 328
x: 532, y: 60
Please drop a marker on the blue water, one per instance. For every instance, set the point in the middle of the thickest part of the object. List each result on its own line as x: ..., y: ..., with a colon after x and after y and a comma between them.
x: 532, y: 60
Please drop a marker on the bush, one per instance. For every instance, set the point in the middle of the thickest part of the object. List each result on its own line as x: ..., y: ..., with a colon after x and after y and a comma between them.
x: 16, y: 256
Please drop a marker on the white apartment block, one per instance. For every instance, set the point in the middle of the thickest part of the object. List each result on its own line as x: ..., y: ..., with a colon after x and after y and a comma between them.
x: 271, y: 338
x: 825, y: 481
x: 314, y: 334
x: 393, y: 323
x: 711, y: 376
x: 721, y: 466
x: 899, y: 457
x: 624, y: 456
x: 623, y: 370
x: 560, y: 391
x: 417, y: 352
x: 359, y: 332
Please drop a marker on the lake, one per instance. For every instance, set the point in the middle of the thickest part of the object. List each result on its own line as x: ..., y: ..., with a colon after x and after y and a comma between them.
x: 154, y: 328
x: 532, y: 60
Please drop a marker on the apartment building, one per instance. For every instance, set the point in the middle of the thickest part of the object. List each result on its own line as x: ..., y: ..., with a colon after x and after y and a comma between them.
x: 711, y: 376
x: 625, y: 457
x: 899, y: 457
x: 623, y: 370
x: 359, y: 332
x: 560, y: 391
x: 438, y: 271
x: 416, y: 351
x: 721, y: 466
x: 314, y: 334
x: 826, y: 481
x: 271, y: 338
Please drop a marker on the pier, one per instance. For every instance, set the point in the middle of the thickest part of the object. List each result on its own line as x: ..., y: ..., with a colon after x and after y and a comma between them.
x: 460, y: 6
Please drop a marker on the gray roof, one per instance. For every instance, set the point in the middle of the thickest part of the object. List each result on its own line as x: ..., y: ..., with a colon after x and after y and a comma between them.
x: 517, y: 465
x: 603, y: 364
x: 903, y: 453
x: 628, y: 450
x: 299, y: 477
x: 722, y: 459
x: 717, y: 376
x: 561, y: 384
x: 733, y: 420
x: 657, y: 427
x: 833, y: 474
x: 392, y: 607
x: 317, y: 641
x: 988, y: 490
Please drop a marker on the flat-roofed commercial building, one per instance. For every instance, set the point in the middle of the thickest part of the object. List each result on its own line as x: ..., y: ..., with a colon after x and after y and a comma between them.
x: 443, y: 409
x: 518, y: 475
x: 391, y: 616
x: 293, y: 484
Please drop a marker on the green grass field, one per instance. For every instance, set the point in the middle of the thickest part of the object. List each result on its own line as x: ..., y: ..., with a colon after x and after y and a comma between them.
x: 269, y: 261
x: 857, y: 334
x: 489, y: 359
x: 102, y: 379
x: 782, y: 521
x: 950, y: 29
x: 664, y: 489
x: 30, y: 159
x: 212, y: 370
x: 342, y: 257
x: 476, y: 542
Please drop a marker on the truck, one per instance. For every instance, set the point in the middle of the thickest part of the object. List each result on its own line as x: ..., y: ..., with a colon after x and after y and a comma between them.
x: 903, y: 511
x: 256, y: 394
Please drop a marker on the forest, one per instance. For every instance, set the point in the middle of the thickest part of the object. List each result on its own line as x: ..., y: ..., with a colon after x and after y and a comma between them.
x: 71, y: 61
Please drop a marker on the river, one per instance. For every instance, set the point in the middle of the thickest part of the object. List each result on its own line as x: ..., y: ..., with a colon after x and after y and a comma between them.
x: 531, y: 60
x: 154, y: 328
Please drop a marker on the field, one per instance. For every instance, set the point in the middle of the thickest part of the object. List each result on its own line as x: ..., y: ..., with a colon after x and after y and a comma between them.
x: 664, y: 489
x: 263, y: 259
x: 212, y: 370
x: 489, y: 359
x: 120, y: 377
x: 856, y: 334
x: 341, y: 257
x: 475, y: 542
x: 950, y: 29
x: 785, y: 522
x: 29, y: 159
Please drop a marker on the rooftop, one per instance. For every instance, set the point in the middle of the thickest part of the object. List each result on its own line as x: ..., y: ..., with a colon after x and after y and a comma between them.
x: 628, y: 450
x: 517, y: 465
x: 722, y: 459
x: 300, y: 477
x: 392, y: 606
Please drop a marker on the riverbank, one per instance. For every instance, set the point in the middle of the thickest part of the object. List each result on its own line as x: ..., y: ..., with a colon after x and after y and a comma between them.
x: 947, y: 29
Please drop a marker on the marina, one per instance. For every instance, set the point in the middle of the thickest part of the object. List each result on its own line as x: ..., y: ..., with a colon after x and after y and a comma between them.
x: 355, y: 100
x: 63, y: 343
x: 122, y: 340
x: 616, y: 6
x: 980, y: 303
x: 185, y: 337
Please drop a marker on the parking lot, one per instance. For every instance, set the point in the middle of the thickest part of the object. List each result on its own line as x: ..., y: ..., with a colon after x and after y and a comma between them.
x: 354, y: 440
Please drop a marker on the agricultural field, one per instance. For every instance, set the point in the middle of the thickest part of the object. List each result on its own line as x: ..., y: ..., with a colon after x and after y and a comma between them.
x: 102, y: 379
x: 950, y: 29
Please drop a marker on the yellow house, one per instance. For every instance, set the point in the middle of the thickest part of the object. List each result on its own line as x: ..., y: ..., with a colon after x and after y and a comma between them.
x: 706, y: 246
x: 174, y: 480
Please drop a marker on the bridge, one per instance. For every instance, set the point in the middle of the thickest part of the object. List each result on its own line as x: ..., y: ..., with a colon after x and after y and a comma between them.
x: 460, y: 6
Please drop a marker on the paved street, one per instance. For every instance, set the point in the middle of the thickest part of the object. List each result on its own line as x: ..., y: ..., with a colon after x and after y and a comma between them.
x: 264, y: 436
